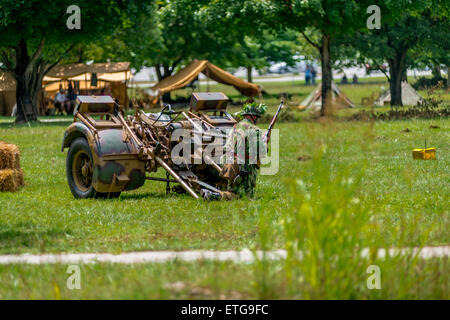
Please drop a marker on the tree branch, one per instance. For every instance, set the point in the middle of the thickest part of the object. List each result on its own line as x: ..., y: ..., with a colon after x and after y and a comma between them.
x: 158, y: 71
x: 37, y: 53
x: 310, y: 41
x: 51, y: 66
x: 381, y: 69
x: 7, y: 62
x: 175, y: 63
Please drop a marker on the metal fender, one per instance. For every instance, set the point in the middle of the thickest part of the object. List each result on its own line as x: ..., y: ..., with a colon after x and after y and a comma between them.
x: 116, y: 163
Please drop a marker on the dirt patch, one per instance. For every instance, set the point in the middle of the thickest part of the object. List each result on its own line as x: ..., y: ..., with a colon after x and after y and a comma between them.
x: 304, y: 157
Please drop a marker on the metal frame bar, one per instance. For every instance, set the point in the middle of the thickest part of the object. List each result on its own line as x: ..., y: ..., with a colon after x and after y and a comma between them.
x: 161, y: 179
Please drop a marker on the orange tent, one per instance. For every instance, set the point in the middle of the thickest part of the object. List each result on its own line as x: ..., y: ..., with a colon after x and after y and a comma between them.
x: 191, y: 71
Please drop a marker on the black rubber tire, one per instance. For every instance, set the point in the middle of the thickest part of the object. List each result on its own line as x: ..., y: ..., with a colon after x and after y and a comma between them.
x: 81, y: 145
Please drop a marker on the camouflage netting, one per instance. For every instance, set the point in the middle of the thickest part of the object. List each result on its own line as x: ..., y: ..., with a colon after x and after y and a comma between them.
x: 11, y: 176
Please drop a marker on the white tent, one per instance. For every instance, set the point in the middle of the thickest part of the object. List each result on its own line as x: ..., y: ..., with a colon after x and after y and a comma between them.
x: 410, y: 97
x: 314, y: 100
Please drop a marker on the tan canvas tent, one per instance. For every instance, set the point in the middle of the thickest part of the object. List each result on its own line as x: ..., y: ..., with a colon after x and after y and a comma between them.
x: 191, y: 71
x: 110, y: 71
x: 7, y: 93
x: 410, y: 97
x: 314, y: 100
x: 111, y: 74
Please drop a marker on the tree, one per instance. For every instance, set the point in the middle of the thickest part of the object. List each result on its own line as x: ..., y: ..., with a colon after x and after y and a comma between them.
x: 184, y: 36
x: 331, y: 19
x: 328, y: 18
x: 396, y: 44
x: 36, y: 36
x: 261, y: 51
x: 433, y: 50
x: 138, y: 42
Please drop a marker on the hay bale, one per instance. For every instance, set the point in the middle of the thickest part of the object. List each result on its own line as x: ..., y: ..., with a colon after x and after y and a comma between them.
x: 9, y: 156
x: 11, y: 179
x: 11, y: 176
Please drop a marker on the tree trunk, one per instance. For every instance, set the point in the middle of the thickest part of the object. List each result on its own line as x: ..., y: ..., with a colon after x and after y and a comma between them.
x: 80, y: 54
x: 158, y: 72
x: 28, y: 71
x: 436, y: 71
x: 396, y: 72
x: 167, y: 73
x: 448, y: 76
x: 249, y: 74
x: 325, y: 59
x: 161, y: 76
x: 26, y: 94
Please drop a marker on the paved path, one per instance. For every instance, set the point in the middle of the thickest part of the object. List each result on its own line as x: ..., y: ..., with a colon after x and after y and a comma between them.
x: 245, y: 256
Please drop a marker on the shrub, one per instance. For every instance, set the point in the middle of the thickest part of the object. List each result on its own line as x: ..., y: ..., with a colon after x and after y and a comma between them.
x: 284, y: 116
x: 426, y: 83
x: 431, y: 107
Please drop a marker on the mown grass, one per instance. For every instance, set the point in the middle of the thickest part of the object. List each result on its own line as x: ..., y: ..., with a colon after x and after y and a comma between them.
x: 403, y: 203
x: 44, y: 216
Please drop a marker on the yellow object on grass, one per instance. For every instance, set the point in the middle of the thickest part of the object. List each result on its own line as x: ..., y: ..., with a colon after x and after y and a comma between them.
x: 424, y: 154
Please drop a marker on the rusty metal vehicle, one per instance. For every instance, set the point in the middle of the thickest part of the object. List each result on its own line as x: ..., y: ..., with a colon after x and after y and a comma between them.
x: 109, y: 153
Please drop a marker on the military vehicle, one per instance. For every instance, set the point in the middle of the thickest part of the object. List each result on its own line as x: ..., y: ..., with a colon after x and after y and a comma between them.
x: 109, y: 153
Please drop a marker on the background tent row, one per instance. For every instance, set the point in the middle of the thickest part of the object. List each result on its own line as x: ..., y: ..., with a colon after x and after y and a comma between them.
x: 188, y: 74
x: 314, y: 99
x: 84, y: 78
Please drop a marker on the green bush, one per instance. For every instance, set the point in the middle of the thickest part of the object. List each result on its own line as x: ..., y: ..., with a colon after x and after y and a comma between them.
x: 426, y: 83
x: 284, y: 116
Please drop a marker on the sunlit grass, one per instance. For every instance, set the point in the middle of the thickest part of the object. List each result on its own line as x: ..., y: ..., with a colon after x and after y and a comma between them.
x: 44, y: 216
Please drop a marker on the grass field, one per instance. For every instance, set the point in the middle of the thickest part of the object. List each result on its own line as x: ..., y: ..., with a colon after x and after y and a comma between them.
x: 360, y: 189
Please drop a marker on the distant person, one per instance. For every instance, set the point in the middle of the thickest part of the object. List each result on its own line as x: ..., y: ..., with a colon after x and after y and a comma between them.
x: 355, y: 79
x: 307, y: 75
x: 344, y: 79
x: 313, y: 75
x: 14, y: 111
x: 106, y: 91
x: 71, y: 99
x: 60, y: 101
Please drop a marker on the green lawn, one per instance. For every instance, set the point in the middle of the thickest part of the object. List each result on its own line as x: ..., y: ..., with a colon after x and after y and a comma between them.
x: 44, y: 216
x: 401, y: 202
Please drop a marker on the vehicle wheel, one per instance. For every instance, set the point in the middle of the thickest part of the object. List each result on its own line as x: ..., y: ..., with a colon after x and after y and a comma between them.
x: 80, y: 170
